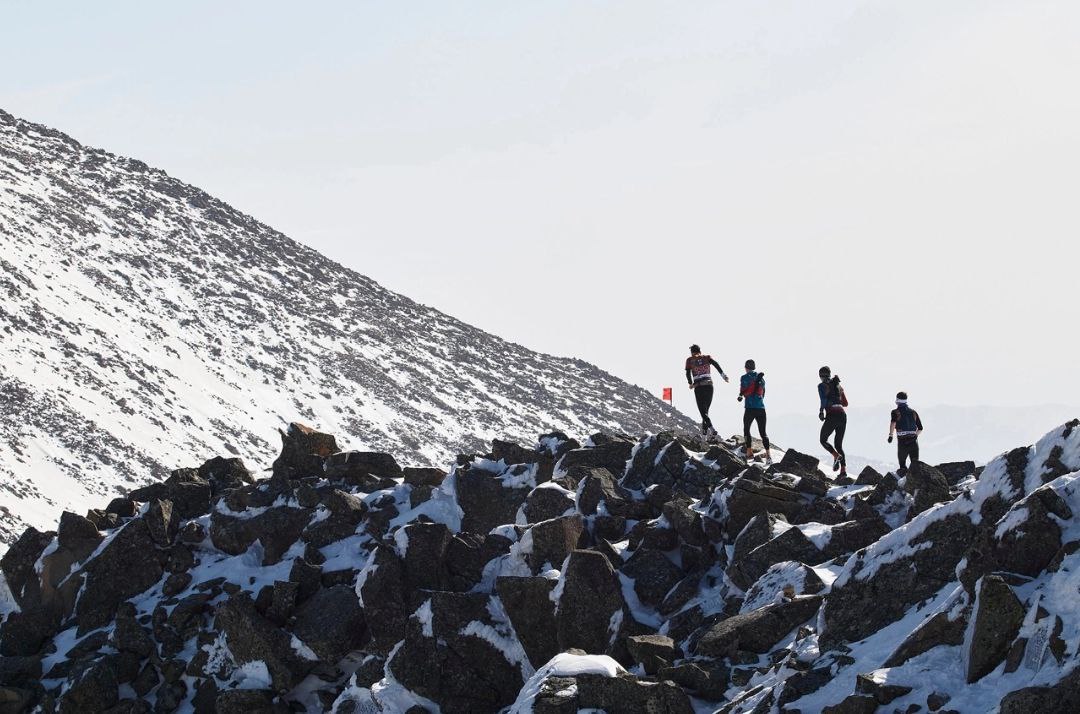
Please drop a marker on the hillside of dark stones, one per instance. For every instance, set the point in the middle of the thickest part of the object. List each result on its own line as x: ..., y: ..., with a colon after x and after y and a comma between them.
x: 621, y: 575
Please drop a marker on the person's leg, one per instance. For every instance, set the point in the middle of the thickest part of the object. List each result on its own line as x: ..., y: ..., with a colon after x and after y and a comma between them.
x: 704, y: 404
x: 747, y: 420
x: 826, y: 431
x: 841, y: 429
x: 703, y: 409
x: 914, y: 450
x: 761, y: 419
x: 901, y: 453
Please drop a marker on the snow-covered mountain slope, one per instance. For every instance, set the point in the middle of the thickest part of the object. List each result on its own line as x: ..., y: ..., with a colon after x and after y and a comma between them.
x: 144, y: 324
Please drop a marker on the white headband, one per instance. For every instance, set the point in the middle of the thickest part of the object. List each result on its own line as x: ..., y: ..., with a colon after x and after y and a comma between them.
x: 901, y: 401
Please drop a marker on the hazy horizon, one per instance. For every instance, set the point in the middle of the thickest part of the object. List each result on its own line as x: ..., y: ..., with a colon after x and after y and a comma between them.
x: 885, y: 188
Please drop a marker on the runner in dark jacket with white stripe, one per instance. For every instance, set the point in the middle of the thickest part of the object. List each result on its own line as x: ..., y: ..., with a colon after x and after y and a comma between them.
x: 906, y: 424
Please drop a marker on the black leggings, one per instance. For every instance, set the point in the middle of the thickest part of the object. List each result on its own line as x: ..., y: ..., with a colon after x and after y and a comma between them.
x: 835, y: 421
x: 906, y: 448
x: 749, y: 417
x: 703, y: 394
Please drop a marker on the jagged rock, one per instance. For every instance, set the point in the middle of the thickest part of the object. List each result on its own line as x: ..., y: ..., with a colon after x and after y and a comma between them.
x: 1061, y: 697
x: 125, y: 567
x: 758, y: 531
x: 447, y: 657
x: 331, y: 623
x: 277, y: 529
x: 528, y: 603
x: 869, y: 476
x: 653, y: 573
x: 355, y: 465
x: 1030, y: 545
x: 485, y: 500
x: 303, y: 451
x: 750, y: 498
x: 591, y: 595
x: 77, y: 535
x: 854, y: 704
x: 162, y: 522
x: 956, y: 471
x: 190, y: 493
x: 175, y: 584
x: 686, y: 522
x: 253, y: 638
x: 95, y: 690
x: 599, y: 486
x: 882, y: 692
x: 938, y: 630
x: 416, y: 476
x: 611, y: 455
x: 851, y: 536
x: 996, y: 622
x: 553, y: 540
x: 927, y: 485
x: 15, y: 700
x: 795, y: 462
x: 17, y: 564
x: 796, y: 578
x: 723, y: 460
x: 861, y: 606
x: 383, y: 596
x: 653, y: 652
x: 547, y: 501
x: 129, y: 635
x: 708, y: 680
x: 225, y: 473
x: 791, y: 545
x: 425, y: 546
x: 626, y: 693
x: 245, y: 701
x: 756, y: 631
x: 23, y: 633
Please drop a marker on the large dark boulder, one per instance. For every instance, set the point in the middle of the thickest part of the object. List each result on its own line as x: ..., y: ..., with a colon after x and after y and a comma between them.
x: 861, y: 605
x: 25, y: 632
x: 486, y: 500
x: 600, y: 486
x: 125, y: 567
x: 853, y: 535
x: 938, y: 630
x: 17, y: 564
x: 94, y: 690
x: 547, y: 501
x: 346, y: 513
x: 189, y: 492
x: 418, y: 476
x: 800, y: 464
x: 653, y: 573
x: 626, y: 693
x: 253, y: 638
x: 591, y: 595
x: 225, y: 473
x: 791, y: 545
x: 749, y: 498
x: 357, y: 464
x: 424, y: 556
x: 528, y: 603
x: 1034, y: 538
x: 447, y: 655
x: 551, y: 541
x: 331, y: 623
x: 162, y: 522
x: 383, y: 596
x: 277, y: 529
x: 997, y: 618
x: 756, y: 631
x: 1061, y: 697
x: 303, y: 451
x: 956, y: 471
x: 927, y: 485
x: 611, y: 455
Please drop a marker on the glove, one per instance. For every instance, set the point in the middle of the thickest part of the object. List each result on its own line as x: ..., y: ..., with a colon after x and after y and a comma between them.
x: 725, y: 378
x: 821, y: 415
x: 738, y: 398
x: 890, y: 438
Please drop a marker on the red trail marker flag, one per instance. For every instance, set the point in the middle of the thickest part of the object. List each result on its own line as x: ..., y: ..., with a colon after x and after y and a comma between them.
x: 667, y: 394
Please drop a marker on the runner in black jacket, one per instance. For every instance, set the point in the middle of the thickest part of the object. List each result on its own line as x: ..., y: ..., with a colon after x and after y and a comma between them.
x: 906, y: 424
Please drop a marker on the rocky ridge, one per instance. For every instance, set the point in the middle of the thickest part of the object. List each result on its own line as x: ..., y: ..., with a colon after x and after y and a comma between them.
x: 144, y: 323
x: 650, y: 575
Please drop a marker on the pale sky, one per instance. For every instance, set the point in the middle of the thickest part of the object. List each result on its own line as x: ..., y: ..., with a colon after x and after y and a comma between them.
x: 887, y: 187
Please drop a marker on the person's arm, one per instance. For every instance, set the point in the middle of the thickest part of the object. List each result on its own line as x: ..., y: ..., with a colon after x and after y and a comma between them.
x: 718, y: 369
x: 822, y: 390
x: 918, y: 425
x: 689, y: 379
x: 892, y: 424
